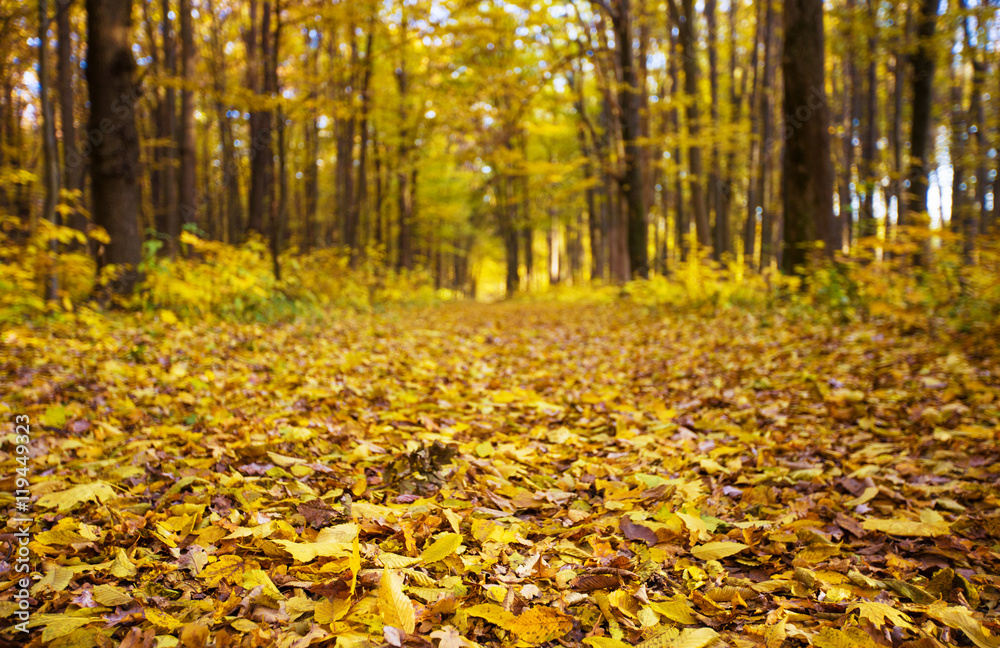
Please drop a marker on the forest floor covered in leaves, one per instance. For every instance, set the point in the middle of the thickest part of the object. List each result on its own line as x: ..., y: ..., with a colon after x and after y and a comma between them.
x: 504, y: 475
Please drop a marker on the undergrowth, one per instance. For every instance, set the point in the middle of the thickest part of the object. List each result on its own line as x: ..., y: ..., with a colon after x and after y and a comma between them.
x: 907, y: 283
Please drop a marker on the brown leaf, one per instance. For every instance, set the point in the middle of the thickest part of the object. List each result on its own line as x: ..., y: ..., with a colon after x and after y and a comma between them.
x: 634, y: 531
x: 316, y: 512
x: 591, y: 582
x: 136, y: 638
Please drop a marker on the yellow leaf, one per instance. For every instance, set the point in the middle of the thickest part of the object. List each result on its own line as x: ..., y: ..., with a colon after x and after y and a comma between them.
x: 961, y: 618
x: 774, y: 635
x: 717, y: 550
x: 56, y: 579
x: 540, y: 625
x: 687, y: 638
x: 258, y: 577
x: 625, y: 602
x: 848, y: 638
x: 931, y: 524
x: 395, y: 561
x: 168, y: 317
x: 695, y: 525
x: 98, y: 492
x: 604, y: 642
x: 492, y: 613
x: 443, y: 547
x: 878, y: 613
x: 58, y: 625
x: 676, y: 609
x: 162, y: 619
x: 340, y: 533
x: 355, y: 563
x: 330, y: 611
x: 307, y: 551
x: 111, y: 596
x: 395, y: 607
x: 122, y: 567
x: 225, y: 568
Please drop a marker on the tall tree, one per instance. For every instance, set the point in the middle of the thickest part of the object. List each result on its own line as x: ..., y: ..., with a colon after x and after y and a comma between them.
x: 186, y: 197
x: 685, y: 19
x: 922, y: 80
x: 807, y: 173
x: 169, y: 218
x: 260, y: 116
x: 50, y: 150
x: 629, y: 103
x: 869, y: 134
x: 72, y: 178
x: 115, y: 159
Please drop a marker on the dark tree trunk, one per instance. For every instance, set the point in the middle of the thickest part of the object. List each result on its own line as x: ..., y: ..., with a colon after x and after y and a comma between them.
x: 633, y: 188
x: 346, y: 130
x: 279, y: 180
x: 587, y: 150
x: 72, y: 179
x: 310, y: 232
x: 681, y: 224
x: 869, y: 137
x: 807, y: 179
x: 720, y: 229
x: 186, y: 196
x: 115, y: 158
x: 922, y: 80
x: 898, y: 100
x: 685, y: 22
x: 404, y: 259
x: 361, y: 202
x: 768, y: 144
x: 260, y: 120
x: 168, y: 221
x: 50, y: 148
x: 232, y: 212
x: 756, y: 148
x: 851, y: 91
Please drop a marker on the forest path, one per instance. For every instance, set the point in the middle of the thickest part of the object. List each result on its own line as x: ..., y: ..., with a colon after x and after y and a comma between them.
x: 538, y: 471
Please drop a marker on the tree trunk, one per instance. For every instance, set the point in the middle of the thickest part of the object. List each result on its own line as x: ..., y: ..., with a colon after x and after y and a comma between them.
x: 186, y: 196
x: 232, y: 212
x: 756, y: 150
x: 768, y: 144
x: 310, y: 231
x: 361, y: 200
x: 720, y: 229
x: 922, y: 80
x: 168, y: 221
x: 807, y: 179
x: 404, y: 259
x: 115, y: 158
x: 72, y: 179
x: 260, y: 122
x: 869, y: 137
x: 682, y: 226
x: 633, y: 188
x: 898, y: 96
x: 50, y: 149
x: 279, y: 180
x: 685, y: 23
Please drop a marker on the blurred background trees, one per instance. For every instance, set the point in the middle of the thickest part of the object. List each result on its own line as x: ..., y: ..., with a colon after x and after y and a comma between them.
x: 497, y: 146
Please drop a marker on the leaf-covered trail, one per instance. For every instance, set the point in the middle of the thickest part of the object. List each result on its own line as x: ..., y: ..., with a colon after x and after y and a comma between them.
x: 506, y: 475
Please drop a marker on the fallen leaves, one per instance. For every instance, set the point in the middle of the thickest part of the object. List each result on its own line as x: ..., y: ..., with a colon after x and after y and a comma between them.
x: 510, y: 475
